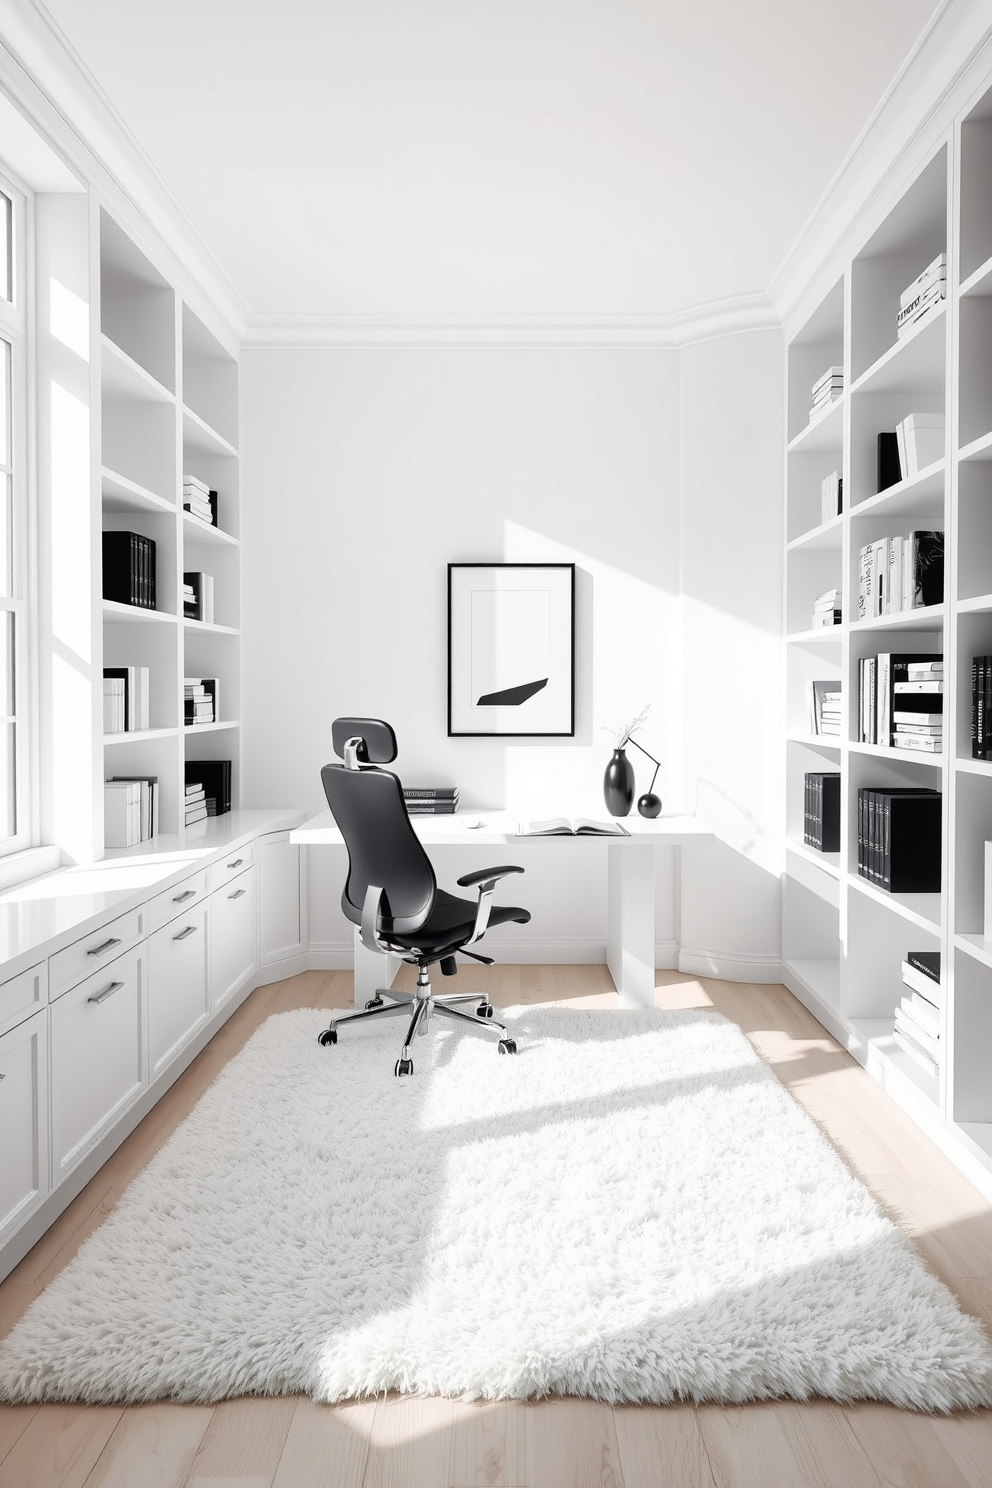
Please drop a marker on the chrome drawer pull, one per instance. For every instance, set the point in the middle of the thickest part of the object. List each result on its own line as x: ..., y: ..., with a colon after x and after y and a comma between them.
x: 99, y: 950
x: 181, y: 898
x: 236, y: 895
x: 190, y: 930
x: 236, y: 864
x: 107, y: 992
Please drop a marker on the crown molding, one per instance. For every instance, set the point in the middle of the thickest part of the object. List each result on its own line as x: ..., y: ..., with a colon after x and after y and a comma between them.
x: 665, y: 332
x: 50, y: 83
x: 907, y: 124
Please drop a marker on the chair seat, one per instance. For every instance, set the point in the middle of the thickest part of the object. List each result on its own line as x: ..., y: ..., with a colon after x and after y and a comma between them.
x: 452, y: 921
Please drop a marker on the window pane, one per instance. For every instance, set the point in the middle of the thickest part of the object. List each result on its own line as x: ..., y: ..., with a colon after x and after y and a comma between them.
x: 8, y: 794
x: 7, y: 623
x: 5, y: 403
x: 6, y: 550
x: 6, y: 256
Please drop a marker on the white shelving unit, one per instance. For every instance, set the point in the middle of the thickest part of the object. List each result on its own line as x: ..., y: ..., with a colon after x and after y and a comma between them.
x: 169, y: 409
x: 843, y: 938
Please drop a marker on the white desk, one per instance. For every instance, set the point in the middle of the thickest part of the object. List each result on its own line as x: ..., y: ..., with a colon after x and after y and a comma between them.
x: 630, y: 923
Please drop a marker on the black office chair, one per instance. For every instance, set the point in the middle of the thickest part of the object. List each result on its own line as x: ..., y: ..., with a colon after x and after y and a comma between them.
x: 391, y: 891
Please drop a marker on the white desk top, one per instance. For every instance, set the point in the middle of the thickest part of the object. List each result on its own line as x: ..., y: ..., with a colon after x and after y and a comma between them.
x: 499, y: 829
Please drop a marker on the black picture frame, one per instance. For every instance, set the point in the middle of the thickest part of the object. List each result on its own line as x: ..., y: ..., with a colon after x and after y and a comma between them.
x: 466, y: 587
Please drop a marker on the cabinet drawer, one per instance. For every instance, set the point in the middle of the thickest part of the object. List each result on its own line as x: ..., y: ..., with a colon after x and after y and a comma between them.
x: 234, y: 863
x: 178, y: 986
x: 279, y: 897
x: 24, y: 1177
x: 232, y: 936
x: 23, y: 995
x: 178, y: 900
x: 97, y: 1065
x: 70, y: 966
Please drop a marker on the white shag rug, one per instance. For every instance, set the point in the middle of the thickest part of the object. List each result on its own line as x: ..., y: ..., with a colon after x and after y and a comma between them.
x: 632, y: 1208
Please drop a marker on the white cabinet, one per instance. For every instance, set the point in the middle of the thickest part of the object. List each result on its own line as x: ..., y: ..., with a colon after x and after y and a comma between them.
x: 24, y: 1171
x: 23, y: 995
x: 280, y: 866
x: 97, y: 1057
x: 178, y: 986
x: 232, y: 936
x: 86, y: 956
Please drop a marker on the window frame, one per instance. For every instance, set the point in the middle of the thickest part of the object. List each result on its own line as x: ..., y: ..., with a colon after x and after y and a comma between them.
x: 17, y: 329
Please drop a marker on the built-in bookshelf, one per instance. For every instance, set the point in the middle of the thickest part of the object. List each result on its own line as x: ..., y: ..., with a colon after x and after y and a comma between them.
x: 845, y: 938
x: 168, y: 411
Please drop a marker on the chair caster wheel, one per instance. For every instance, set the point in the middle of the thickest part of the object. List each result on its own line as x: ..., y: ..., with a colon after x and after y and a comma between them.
x: 485, y: 1011
x: 403, y: 1067
x: 329, y: 1036
x: 507, y: 1046
x: 373, y: 1002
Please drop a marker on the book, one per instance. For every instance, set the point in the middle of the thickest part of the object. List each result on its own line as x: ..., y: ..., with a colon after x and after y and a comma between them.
x: 121, y: 813
x: 134, y: 688
x: 148, y: 786
x: 201, y: 700
x: 936, y: 269
x: 430, y: 793
x: 916, y: 1053
x: 831, y: 496
x: 899, y: 839
x: 129, y: 569
x: 820, y: 696
x: 431, y: 808
x: 888, y: 472
x: 581, y: 827
x: 925, y: 964
x: 833, y: 375
x: 821, y: 816
x: 215, y: 778
x: 928, y: 1042
x: 924, y: 441
x: 918, y: 743
x: 198, y: 597
x: 921, y: 1013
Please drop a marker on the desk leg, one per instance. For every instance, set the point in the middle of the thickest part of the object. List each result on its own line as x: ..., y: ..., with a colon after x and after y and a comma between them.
x: 630, y: 930
x: 372, y: 970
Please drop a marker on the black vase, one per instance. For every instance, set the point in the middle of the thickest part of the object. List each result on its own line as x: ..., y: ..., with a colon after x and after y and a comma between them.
x: 618, y: 784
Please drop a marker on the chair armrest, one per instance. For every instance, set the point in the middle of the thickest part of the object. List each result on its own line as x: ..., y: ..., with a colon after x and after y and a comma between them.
x: 372, y: 920
x: 486, y: 875
x: 485, y: 880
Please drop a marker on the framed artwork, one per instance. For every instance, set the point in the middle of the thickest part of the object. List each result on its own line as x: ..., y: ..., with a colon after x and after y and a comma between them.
x: 511, y: 650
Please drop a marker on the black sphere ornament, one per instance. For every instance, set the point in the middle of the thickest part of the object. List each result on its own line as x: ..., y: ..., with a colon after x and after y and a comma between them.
x: 618, y: 784
x: 649, y: 805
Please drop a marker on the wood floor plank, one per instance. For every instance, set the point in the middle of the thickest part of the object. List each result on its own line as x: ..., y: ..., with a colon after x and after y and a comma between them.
x: 968, y: 1438
x: 747, y: 1447
x: 245, y: 1439
x: 904, y: 1448
x: 13, y: 1423
x: 824, y: 1445
x: 572, y: 1444
x: 488, y: 1444
x: 60, y: 1447
x: 661, y: 1444
x: 411, y: 1443
x: 153, y: 1446
x: 327, y: 1446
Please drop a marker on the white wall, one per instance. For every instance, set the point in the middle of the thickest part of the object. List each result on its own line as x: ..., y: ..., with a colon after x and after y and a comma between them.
x: 364, y: 473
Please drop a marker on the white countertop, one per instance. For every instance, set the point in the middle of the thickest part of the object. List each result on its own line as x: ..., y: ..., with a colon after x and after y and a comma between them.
x: 499, y: 828
x: 41, y: 915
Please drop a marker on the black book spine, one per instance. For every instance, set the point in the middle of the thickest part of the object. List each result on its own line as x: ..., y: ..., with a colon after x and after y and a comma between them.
x: 212, y: 498
x: 830, y: 821
x: 986, y: 700
x: 930, y: 566
x: 921, y: 963
x: 915, y: 848
x: 889, y: 471
x: 151, y: 573
x: 886, y: 855
x: 861, y: 830
x: 974, y: 709
x: 806, y: 823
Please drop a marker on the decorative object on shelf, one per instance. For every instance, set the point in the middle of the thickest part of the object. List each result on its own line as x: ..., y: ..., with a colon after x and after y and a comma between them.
x: 618, y: 781
x: 511, y: 650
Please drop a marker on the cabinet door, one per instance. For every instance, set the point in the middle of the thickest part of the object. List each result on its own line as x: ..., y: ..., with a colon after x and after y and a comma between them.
x: 97, y: 1065
x: 279, y: 898
x: 24, y: 1175
x: 178, y: 986
x: 232, y: 936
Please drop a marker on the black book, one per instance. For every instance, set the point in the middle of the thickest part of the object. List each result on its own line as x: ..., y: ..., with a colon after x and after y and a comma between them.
x: 889, y: 469
x: 822, y: 816
x: 129, y: 569
x: 981, y: 673
x: 929, y: 574
x: 926, y: 961
x: 212, y: 498
x: 899, y: 839
x: 434, y: 793
x: 215, y: 777
x: 193, y: 608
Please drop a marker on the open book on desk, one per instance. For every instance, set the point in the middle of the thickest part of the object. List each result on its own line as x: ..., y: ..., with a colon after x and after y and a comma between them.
x: 560, y: 826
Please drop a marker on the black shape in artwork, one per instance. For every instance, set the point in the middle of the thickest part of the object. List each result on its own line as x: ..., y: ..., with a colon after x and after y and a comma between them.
x: 511, y: 697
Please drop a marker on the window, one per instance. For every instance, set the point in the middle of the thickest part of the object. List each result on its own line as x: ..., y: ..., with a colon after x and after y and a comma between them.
x: 15, y: 781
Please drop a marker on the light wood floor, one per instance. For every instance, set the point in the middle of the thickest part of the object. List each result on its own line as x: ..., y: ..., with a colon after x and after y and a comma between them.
x: 401, y: 1442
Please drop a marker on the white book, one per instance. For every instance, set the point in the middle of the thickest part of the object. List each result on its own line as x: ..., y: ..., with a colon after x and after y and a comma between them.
x: 917, y: 742
x: 879, y: 576
x: 914, y: 1033
x: 119, y: 822
x: 933, y: 269
x: 922, y: 1015
x: 895, y: 575
x: 832, y: 374
x: 196, y: 484
x: 901, y: 444
x: 916, y: 1053
x: 924, y: 440
x: 918, y: 981
x: 560, y: 826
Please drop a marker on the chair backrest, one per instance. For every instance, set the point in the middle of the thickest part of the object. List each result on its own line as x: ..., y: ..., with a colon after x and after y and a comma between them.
x: 383, y: 849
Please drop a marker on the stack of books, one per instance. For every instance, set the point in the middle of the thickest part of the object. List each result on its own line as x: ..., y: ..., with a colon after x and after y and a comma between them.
x: 196, y: 803
x: 213, y: 777
x: 900, y: 573
x: 899, y: 839
x: 919, y: 442
x: 199, y: 500
x: 823, y: 700
x: 130, y: 811
x: 981, y: 707
x: 921, y: 298
x: 827, y: 389
x: 129, y: 569
x: 917, y: 1027
x: 198, y: 597
x: 125, y: 699
x: 826, y: 609
x: 831, y: 496
x: 821, y: 811
x: 200, y: 700
x: 434, y: 800
x: 901, y: 700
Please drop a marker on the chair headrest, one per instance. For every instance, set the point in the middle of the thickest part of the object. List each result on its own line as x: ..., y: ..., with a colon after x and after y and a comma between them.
x: 379, y: 741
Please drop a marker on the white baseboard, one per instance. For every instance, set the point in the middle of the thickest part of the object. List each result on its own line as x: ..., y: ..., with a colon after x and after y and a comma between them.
x: 697, y: 961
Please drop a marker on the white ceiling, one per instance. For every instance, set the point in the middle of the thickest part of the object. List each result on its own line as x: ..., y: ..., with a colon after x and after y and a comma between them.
x: 484, y: 158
